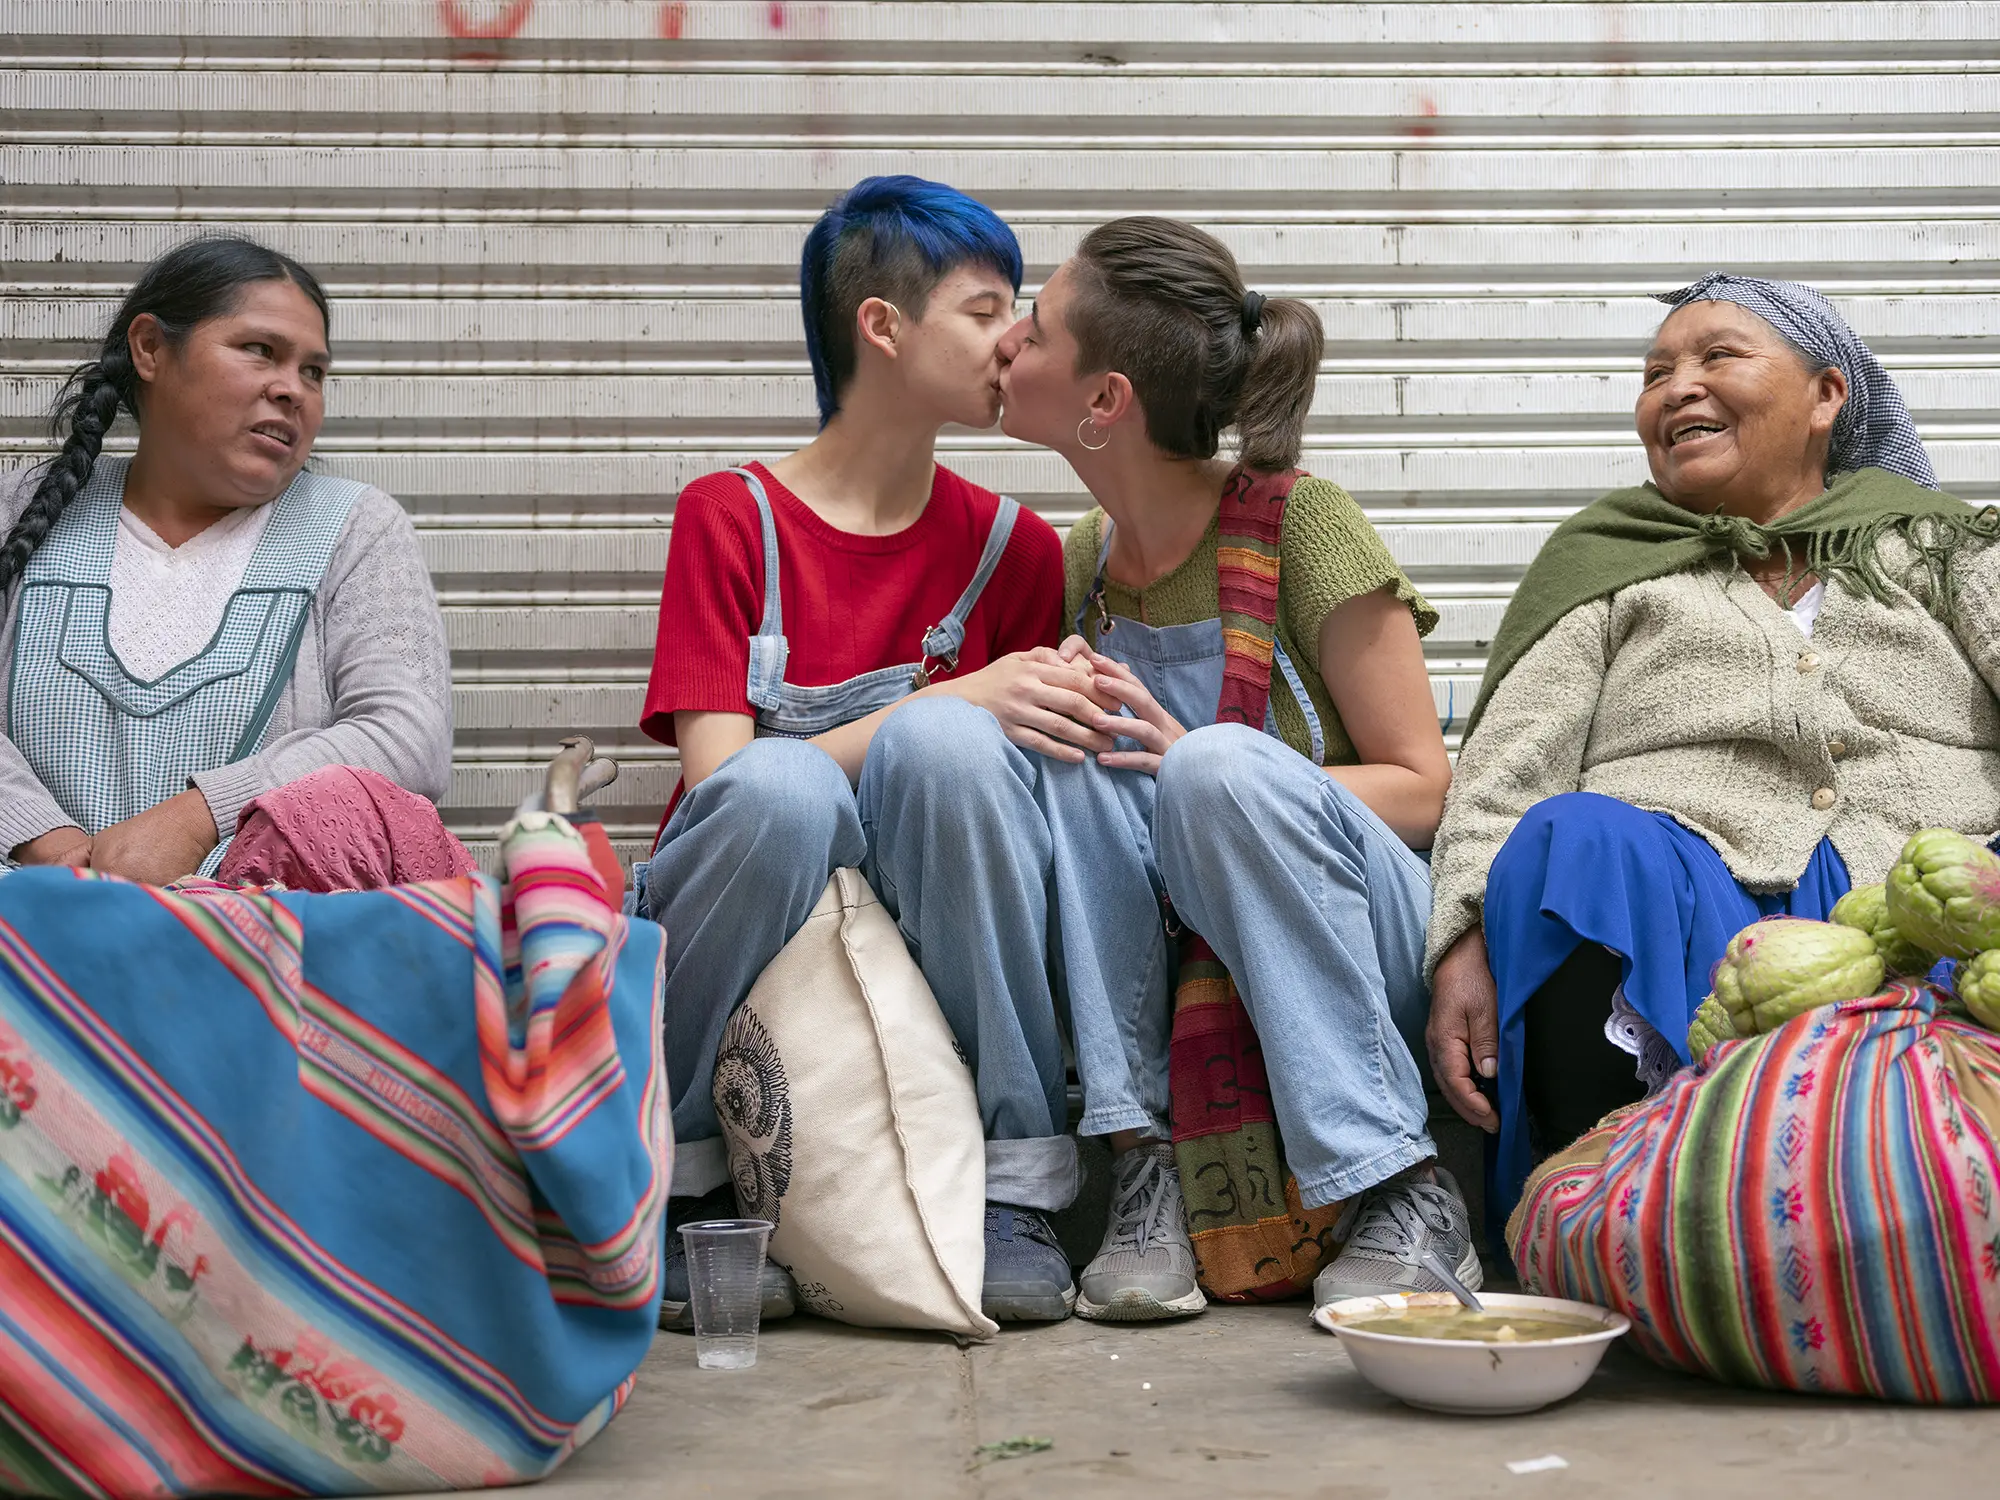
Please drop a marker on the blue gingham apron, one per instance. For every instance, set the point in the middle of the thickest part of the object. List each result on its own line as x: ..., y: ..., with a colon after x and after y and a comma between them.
x: 107, y: 745
x: 802, y: 712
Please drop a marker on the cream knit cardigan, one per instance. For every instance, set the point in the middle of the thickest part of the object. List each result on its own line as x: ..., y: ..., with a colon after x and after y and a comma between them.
x: 1696, y: 695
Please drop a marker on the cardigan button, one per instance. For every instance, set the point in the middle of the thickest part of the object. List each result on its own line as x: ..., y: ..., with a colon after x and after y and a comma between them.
x: 1823, y: 799
x: 1808, y: 660
x: 1836, y: 748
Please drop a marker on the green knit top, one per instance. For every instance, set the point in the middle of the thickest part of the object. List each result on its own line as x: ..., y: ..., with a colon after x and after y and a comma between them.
x: 1327, y: 555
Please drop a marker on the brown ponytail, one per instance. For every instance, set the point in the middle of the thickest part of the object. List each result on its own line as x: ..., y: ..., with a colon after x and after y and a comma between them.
x: 1163, y: 303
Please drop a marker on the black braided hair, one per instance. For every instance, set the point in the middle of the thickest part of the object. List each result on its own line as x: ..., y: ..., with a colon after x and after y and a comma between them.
x: 190, y: 284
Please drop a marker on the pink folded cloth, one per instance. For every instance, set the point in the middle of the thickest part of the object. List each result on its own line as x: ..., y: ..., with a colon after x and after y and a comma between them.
x: 341, y: 829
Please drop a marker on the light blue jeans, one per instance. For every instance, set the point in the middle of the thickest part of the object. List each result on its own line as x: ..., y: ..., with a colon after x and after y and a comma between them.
x: 1028, y: 891
x: 946, y: 830
x: 1319, y: 911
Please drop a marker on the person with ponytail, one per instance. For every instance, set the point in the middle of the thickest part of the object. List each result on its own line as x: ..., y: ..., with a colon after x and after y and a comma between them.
x: 187, y: 630
x: 1278, y: 764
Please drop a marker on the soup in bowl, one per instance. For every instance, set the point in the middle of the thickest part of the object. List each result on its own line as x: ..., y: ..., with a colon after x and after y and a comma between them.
x: 1520, y: 1354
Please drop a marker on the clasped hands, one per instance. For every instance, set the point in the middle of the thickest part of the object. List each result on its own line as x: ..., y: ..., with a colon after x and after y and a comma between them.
x: 162, y: 844
x: 1065, y: 703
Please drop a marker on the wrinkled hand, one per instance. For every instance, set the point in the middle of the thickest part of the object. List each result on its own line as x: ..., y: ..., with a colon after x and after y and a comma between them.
x: 1043, y: 700
x: 59, y: 846
x: 161, y: 844
x: 1464, y: 1029
x: 1149, y: 726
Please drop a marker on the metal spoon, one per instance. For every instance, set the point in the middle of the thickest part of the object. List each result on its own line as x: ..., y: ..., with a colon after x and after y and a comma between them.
x: 1431, y: 1261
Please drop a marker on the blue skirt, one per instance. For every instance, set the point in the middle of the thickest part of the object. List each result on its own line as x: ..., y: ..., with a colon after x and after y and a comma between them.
x: 1584, y: 868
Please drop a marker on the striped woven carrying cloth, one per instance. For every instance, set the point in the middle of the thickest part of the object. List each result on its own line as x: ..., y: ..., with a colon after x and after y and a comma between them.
x: 324, y: 1194
x: 1811, y: 1210
x: 1253, y: 1241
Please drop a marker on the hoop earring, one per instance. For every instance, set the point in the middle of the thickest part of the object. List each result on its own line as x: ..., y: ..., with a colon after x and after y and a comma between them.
x: 1093, y: 447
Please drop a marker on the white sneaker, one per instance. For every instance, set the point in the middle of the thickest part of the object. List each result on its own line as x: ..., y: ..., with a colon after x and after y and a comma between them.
x: 1393, y: 1225
x: 1144, y: 1270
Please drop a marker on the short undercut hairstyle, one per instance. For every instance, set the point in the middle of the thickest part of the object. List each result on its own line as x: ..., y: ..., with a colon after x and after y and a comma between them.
x: 895, y: 238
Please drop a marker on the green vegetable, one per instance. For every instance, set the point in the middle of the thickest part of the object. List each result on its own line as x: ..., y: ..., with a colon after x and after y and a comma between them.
x: 1866, y: 908
x: 1013, y: 1447
x: 1944, y: 894
x: 1978, y: 985
x: 1711, y: 1025
x: 1783, y: 967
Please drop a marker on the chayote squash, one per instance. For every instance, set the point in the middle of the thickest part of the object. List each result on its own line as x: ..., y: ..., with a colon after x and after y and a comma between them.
x: 1783, y: 967
x: 1944, y: 894
x: 1711, y: 1025
x: 1978, y: 985
x: 1866, y: 908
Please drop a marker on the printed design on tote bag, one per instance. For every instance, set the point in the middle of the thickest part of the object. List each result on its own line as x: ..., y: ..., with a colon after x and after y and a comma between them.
x: 755, y: 1107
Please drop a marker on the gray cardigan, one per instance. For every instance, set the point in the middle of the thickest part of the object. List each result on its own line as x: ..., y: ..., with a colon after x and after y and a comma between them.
x: 372, y: 687
x: 1697, y: 696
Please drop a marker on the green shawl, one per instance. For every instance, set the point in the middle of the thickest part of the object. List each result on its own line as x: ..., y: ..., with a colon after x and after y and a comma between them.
x: 1632, y: 535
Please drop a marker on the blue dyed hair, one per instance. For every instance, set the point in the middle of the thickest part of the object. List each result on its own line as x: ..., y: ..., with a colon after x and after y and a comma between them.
x: 894, y: 238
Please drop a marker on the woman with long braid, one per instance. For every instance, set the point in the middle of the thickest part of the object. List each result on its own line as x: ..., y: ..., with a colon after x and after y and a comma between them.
x: 190, y: 629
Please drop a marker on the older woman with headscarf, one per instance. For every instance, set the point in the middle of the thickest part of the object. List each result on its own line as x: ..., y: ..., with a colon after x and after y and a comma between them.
x: 1722, y: 695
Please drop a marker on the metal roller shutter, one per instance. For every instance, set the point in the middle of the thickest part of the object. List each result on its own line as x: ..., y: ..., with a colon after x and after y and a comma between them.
x: 563, y: 233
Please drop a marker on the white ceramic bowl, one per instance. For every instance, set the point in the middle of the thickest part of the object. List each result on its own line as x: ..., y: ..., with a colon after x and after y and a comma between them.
x: 1464, y: 1376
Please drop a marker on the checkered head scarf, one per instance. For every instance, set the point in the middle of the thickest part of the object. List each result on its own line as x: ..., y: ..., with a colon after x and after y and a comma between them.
x: 1873, y: 429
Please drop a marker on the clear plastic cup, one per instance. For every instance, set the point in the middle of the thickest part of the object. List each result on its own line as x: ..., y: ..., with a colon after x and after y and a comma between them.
x: 725, y: 1261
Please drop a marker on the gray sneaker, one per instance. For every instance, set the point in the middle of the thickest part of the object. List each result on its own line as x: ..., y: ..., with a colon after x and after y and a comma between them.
x: 1144, y: 1270
x: 1392, y: 1226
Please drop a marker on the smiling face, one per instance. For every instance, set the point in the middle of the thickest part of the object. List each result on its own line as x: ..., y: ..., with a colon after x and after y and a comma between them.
x: 236, y: 406
x: 1732, y: 417
x: 1045, y: 398
x: 949, y: 357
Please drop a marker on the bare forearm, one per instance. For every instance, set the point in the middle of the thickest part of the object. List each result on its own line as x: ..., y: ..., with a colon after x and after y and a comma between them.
x: 1038, y: 698
x: 706, y: 740
x: 1410, y: 802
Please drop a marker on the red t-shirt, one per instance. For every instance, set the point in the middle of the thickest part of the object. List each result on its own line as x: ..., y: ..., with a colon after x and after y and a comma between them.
x: 852, y: 604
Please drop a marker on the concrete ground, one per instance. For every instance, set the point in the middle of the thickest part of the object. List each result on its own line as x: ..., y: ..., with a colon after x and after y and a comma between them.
x: 1242, y: 1401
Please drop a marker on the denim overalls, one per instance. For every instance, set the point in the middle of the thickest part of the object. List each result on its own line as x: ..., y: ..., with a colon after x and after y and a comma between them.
x: 744, y: 857
x: 802, y: 712
x: 1317, y: 908
x: 1181, y: 665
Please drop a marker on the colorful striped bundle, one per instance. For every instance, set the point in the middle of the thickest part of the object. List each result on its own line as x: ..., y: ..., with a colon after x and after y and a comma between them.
x: 1253, y: 1241
x: 1249, y: 524
x: 1813, y: 1209
x: 324, y: 1194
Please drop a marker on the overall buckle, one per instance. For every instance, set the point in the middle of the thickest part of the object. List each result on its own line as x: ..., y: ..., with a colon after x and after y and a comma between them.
x: 930, y: 666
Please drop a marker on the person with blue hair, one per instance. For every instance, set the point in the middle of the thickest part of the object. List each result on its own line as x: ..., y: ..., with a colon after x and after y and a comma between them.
x: 1724, y: 695
x: 805, y: 602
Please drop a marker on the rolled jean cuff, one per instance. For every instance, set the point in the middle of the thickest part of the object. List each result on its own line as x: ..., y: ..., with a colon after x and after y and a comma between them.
x: 1126, y: 1117
x: 1338, y: 1187
x: 699, y: 1167
x: 1039, y: 1174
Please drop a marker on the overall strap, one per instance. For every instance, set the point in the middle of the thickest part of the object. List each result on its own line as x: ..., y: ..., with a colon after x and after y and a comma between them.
x: 773, y: 622
x: 770, y: 652
x: 944, y: 639
x: 1315, y: 731
x: 1251, y: 521
x: 1096, y: 594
